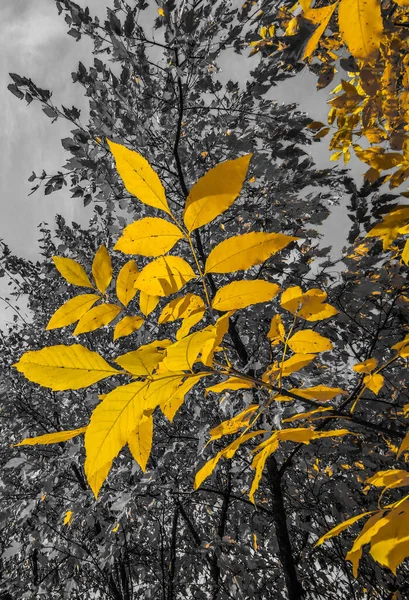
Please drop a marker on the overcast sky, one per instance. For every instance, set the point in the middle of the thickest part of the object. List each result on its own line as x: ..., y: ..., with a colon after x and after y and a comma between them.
x: 35, y: 43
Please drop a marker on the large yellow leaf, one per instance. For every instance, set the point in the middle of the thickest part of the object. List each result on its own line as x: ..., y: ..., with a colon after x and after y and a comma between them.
x: 319, y: 392
x: 147, y: 303
x: 164, y: 276
x: 149, y: 237
x: 361, y: 27
x: 127, y: 325
x: 308, y: 342
x: 245, y: 251
x: 72, y: 310
x: 240, y: 294
x: 72, y: 271
x: 143, y: 361
x: 341, y: 527
x: 391, y: 478
x: 64, y: 367
x: 125, y: 283
x: 97, y: 317
x: 120, y: 413
x: 370, y: 529
x: 138, y: 176
x: 178, y: 397
x: 53, y: 438
x: 102, y: 269
x: 215, y: 192
x: 321, y: 17
x: 183, y: 354
x: 390, y: 543
x: 309, y: 305
x: 140, y: 442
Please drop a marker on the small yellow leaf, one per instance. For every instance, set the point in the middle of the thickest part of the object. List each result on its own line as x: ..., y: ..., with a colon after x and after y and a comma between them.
x: 143, y: 361
x: 68, y: 517
x: 215, y: 192
x: 276, y: 333
x: 374, y: 382
x: 149, y: 237
x: 232, y: 383
x: 319, y: 392
x: 306, y: 415
x: 177, y: 398
x: 52, y: 438
x: 115, y: 529
x: 164, y: 276
x: 367, y: 366
x: 99, y: 316
x: 147, y: 303
x: 308, y: 342
x: 245, y: 251
x: 125, y: 283
x: 295, y: 363
x: 72, y: 271
x: 102, y: 269
x: 140, y: 442
x: 361, y: 27
x: 240, y: 294
x: 219, y: 329
x: 64, y: 367
x: 138, y: 177
x: 233, y: 425
x: 72, y: 310
x: 127, y: 325
x: 161, y: 12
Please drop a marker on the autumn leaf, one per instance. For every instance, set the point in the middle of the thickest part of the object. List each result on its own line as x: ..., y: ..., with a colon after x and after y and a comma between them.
x: 164, y: 276
x: 245, y: 251
x: 147, y: 303
x: 68, y: 517
x: 215, y: 192
x: 341, y: 527
x: 143, y: 361
x: 127, y: 325
x: 308, y: 342
x: 140, y: 442
x: 125, y: 283
x: 361, y: 27
x: 276, y: 333
x: 233, y: 425
x: 182, y: 355
x: 52, y: 438
x: 374, y: 382
x: 96, y: 317
x: 72, y: 271
x: 367, y: 366
x: 138, y: 176
x: 149, y: 237
x: 240, y: 294
x: 318, y: 392
x: 232, y: 383
x: 321, y: 17
x: 72, y: 310
x: 177, y: 398
x: 64, y: 367
x: 102, y: 269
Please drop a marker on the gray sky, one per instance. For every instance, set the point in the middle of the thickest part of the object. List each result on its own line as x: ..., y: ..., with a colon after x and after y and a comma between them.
x: 35, y: 43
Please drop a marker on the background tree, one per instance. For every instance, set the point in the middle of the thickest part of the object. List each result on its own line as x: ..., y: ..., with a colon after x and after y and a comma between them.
x: 173, y: 540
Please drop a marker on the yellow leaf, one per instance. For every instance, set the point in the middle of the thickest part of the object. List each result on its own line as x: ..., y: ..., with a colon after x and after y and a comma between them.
x: 308, y: 342
x: 72, y: 310
x: 277, y: 331
x: 341, y: 527
x: 367, y: 366
x: 402, y: 347
x: 370, y: 528
x: 215, y: 192
x: 232, y: 383
x: 389, y: 479
x: 240, y: 294
x: 140, y: 442
x: 188, y: 323
x: 306, y: 415
x: 182, y: 355
x: 219, y: 329
x: 149, y: 237
x: 64, y: 367
x: 390, y: 540
x: 102, y: 269
x: 295, y: 363
x: 361, y: 27
x: 97, y: 317
x: 164, y: 276
x: 161, y: 12
x: 115, y: 529
x: 181, y: 308
x: 405, y: 252
x: 176, y: 400
x: 318, y: 392
x: 291, y: 298
x: 125, y: 283
x: 320, y: 16
x: 113, y: 420
x: 138, y: 177
x: 404, y: 445
x: 143, y: 361
x: 245, y: 251
x: 53, y: 438
x: 147, y: 303
x: 72, y: 271
x: 127, y: 325
x: 68, y: 517
x: 233, y: 425
x: 374, y: 382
